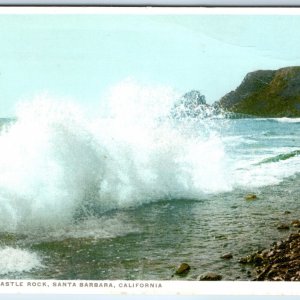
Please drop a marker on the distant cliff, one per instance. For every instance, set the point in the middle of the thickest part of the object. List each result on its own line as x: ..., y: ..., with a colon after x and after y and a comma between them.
x: 266, y: 93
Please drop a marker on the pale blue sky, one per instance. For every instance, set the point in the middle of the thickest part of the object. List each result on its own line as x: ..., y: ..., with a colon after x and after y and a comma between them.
x: 81, y: 56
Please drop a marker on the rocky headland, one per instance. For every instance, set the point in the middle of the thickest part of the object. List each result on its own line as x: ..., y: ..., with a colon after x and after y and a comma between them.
x: 266, y: 93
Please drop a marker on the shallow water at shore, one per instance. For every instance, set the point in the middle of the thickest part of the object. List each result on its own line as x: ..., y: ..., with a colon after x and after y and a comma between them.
x: 167, y: 233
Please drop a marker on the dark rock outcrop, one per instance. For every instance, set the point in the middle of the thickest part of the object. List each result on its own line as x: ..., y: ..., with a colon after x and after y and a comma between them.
x: 266, y: 93
x: 210, y: 276
x: 191, y: 104
x: 194, y: 98
x: 283, y: 226
x: 183, y: 269
x: 227, y: 256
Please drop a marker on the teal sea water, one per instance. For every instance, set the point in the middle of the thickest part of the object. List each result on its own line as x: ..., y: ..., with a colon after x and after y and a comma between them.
x: 137, y: 190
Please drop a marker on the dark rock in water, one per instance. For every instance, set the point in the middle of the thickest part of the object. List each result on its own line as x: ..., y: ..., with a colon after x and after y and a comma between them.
x: 227, y: 256
x: 183, y: 269
x: 250, y: 197
x: 255, y: 259
x: 287, y: 212
x: 296, y: 223
x: 194, y: 98
x: 283, y: 226
x: 244, y: 260
x: 191, y: 104
x: 210, y: 276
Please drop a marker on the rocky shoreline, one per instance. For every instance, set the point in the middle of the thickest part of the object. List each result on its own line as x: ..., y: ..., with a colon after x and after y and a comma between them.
x: 279, y: 263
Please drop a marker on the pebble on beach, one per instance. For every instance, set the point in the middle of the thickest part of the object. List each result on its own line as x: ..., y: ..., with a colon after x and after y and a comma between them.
x: 227, y: 256
x: 210, y: 276
x: 296, y: 223
x: 283, y: 226
x: 183, y: 269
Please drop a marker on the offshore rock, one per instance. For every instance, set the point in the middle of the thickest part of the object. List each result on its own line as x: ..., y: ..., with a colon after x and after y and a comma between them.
x: 210, y: 276
x: 283, y: 226
x: 250, y: 197
x: 190, y: 105
x: 227, y: 256
x: 183, y: 269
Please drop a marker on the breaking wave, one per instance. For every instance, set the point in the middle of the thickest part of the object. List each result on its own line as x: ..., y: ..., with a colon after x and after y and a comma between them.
x: 58, y: 166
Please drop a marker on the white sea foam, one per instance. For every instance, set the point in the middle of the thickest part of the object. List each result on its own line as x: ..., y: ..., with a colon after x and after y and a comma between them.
x: 15, y: 260
x: 287, y: 120
x: 95, y: 228
x: 266, y: 174
x: 257, y: 169
x: 280, y: 120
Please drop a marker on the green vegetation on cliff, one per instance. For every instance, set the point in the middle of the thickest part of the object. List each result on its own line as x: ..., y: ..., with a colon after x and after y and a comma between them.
x: 266, y: 93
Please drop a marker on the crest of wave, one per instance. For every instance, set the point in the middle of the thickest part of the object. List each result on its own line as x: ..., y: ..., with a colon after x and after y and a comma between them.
x: 57, y: 166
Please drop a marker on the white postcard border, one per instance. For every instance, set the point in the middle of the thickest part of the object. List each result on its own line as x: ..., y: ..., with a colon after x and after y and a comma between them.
x: 117, y: 287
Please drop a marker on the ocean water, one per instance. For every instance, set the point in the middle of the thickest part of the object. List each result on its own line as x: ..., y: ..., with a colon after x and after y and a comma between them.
x: 138, y: 189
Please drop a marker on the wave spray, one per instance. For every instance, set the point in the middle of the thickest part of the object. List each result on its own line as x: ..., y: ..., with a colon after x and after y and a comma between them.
x: 58, y: 167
